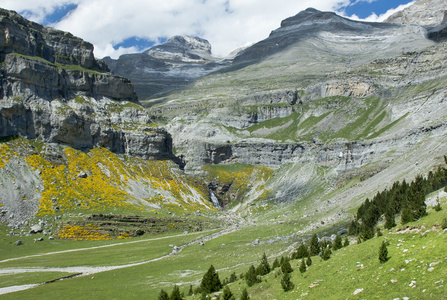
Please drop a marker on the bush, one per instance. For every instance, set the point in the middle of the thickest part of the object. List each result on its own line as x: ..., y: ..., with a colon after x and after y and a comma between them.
x: 326, y: 253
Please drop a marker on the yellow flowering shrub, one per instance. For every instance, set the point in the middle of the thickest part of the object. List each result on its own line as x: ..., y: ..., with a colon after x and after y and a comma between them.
x: 79, y: 233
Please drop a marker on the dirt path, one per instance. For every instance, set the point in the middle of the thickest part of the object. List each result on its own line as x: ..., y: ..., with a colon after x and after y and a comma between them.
x: 85, y: 271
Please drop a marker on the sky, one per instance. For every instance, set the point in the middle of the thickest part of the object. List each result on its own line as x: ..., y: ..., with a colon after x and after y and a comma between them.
x: 117, y: 27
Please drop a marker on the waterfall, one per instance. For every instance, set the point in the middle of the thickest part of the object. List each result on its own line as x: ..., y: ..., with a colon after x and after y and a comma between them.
x: 215, y: 200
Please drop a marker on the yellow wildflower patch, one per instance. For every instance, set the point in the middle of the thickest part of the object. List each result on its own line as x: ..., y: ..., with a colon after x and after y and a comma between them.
x: 79, y: 233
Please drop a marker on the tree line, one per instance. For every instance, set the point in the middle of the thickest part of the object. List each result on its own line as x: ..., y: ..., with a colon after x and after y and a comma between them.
x: 406, y: 199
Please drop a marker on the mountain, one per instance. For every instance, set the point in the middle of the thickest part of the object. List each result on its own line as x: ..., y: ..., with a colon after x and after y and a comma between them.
x: 172, y: 65
x: 226, y: 158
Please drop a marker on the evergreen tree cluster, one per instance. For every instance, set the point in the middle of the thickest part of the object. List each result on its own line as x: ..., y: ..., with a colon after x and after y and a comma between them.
x: 402, y: 198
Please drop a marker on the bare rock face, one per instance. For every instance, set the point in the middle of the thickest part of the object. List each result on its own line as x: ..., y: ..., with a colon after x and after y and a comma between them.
x: 424, y: 13
x: 52, y: 88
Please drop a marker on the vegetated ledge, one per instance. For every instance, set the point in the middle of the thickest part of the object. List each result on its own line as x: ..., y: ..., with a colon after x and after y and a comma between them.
x: 134, y: 225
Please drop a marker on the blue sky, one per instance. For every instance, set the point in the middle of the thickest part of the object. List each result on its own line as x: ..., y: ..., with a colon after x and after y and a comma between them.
x: 117, y: 27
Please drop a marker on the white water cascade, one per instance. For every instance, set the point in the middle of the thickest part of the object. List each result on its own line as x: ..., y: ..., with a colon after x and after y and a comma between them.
x: 215, y: 200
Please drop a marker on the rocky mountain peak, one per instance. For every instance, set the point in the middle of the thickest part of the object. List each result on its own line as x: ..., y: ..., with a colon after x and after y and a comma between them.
x: 310, y: 15
x: 182, y: 48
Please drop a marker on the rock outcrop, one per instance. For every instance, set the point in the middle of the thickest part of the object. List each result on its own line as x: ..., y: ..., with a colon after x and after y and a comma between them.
x: 52, y: 88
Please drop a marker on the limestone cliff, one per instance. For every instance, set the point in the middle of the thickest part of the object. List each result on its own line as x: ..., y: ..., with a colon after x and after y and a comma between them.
x: 52, y: 88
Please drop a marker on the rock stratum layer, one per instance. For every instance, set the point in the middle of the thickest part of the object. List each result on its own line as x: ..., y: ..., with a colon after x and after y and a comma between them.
x: 54, y: 89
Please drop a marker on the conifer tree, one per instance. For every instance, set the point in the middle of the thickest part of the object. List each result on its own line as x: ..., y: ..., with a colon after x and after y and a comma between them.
x: 227, y: 294
x: 326, y: 253
x: 163, y: 295
x: 190, y: 292
x: 264, y: 267
x: 383, y: 253
x: 275, y: 264
x: 251, y: 277
x: 175, y: 295
x: 314, y: 245
x: 286, y: 267
x: 233, y: 277
x: 337, y: 243
x: 286, y: 283
x: 346, y: 243
x: 302, y: 266
x: 301, y: 252
x: 309, y: 261
x: 210, y: 281
x: 244, y: 295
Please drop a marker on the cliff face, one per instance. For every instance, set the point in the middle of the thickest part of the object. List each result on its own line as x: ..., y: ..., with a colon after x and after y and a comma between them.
x: 52, y: 88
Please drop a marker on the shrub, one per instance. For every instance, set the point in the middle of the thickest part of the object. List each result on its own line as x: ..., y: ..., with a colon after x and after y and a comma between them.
x: 276, y: 264
x: 346, y: 243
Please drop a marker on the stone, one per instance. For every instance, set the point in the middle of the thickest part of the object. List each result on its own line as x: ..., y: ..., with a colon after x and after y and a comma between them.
x: 18, y: 243
x: 35, y: 229
x: 357, y: 291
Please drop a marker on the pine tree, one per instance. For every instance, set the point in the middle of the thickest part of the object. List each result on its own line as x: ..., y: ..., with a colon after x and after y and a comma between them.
x: 337, y: 243
x: 175, y: 295
x: 301, y: 252
x: 286, y: 267
x: 303, y: 266
x: 190, y: 292
x: 227, y: 294
x: 286, y: 283
x: 314, y: 245
x: 210, y: 281
x: 233, y: 277
x: 346, y: 243
x: 251, y: 277
x: 308, y: 261
x: 326, y: 253
x: 275, y: 264
x: 163, y: 295
x: 244, y: 295
x: 383, y: 253
x: 264, y: 267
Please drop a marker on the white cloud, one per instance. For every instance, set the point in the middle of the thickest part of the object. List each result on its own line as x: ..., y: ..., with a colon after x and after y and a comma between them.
x: 227, y: 24
x: 375, y: 18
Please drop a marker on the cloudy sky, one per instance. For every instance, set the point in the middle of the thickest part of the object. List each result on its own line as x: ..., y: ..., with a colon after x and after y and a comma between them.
x: 116, y: 27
